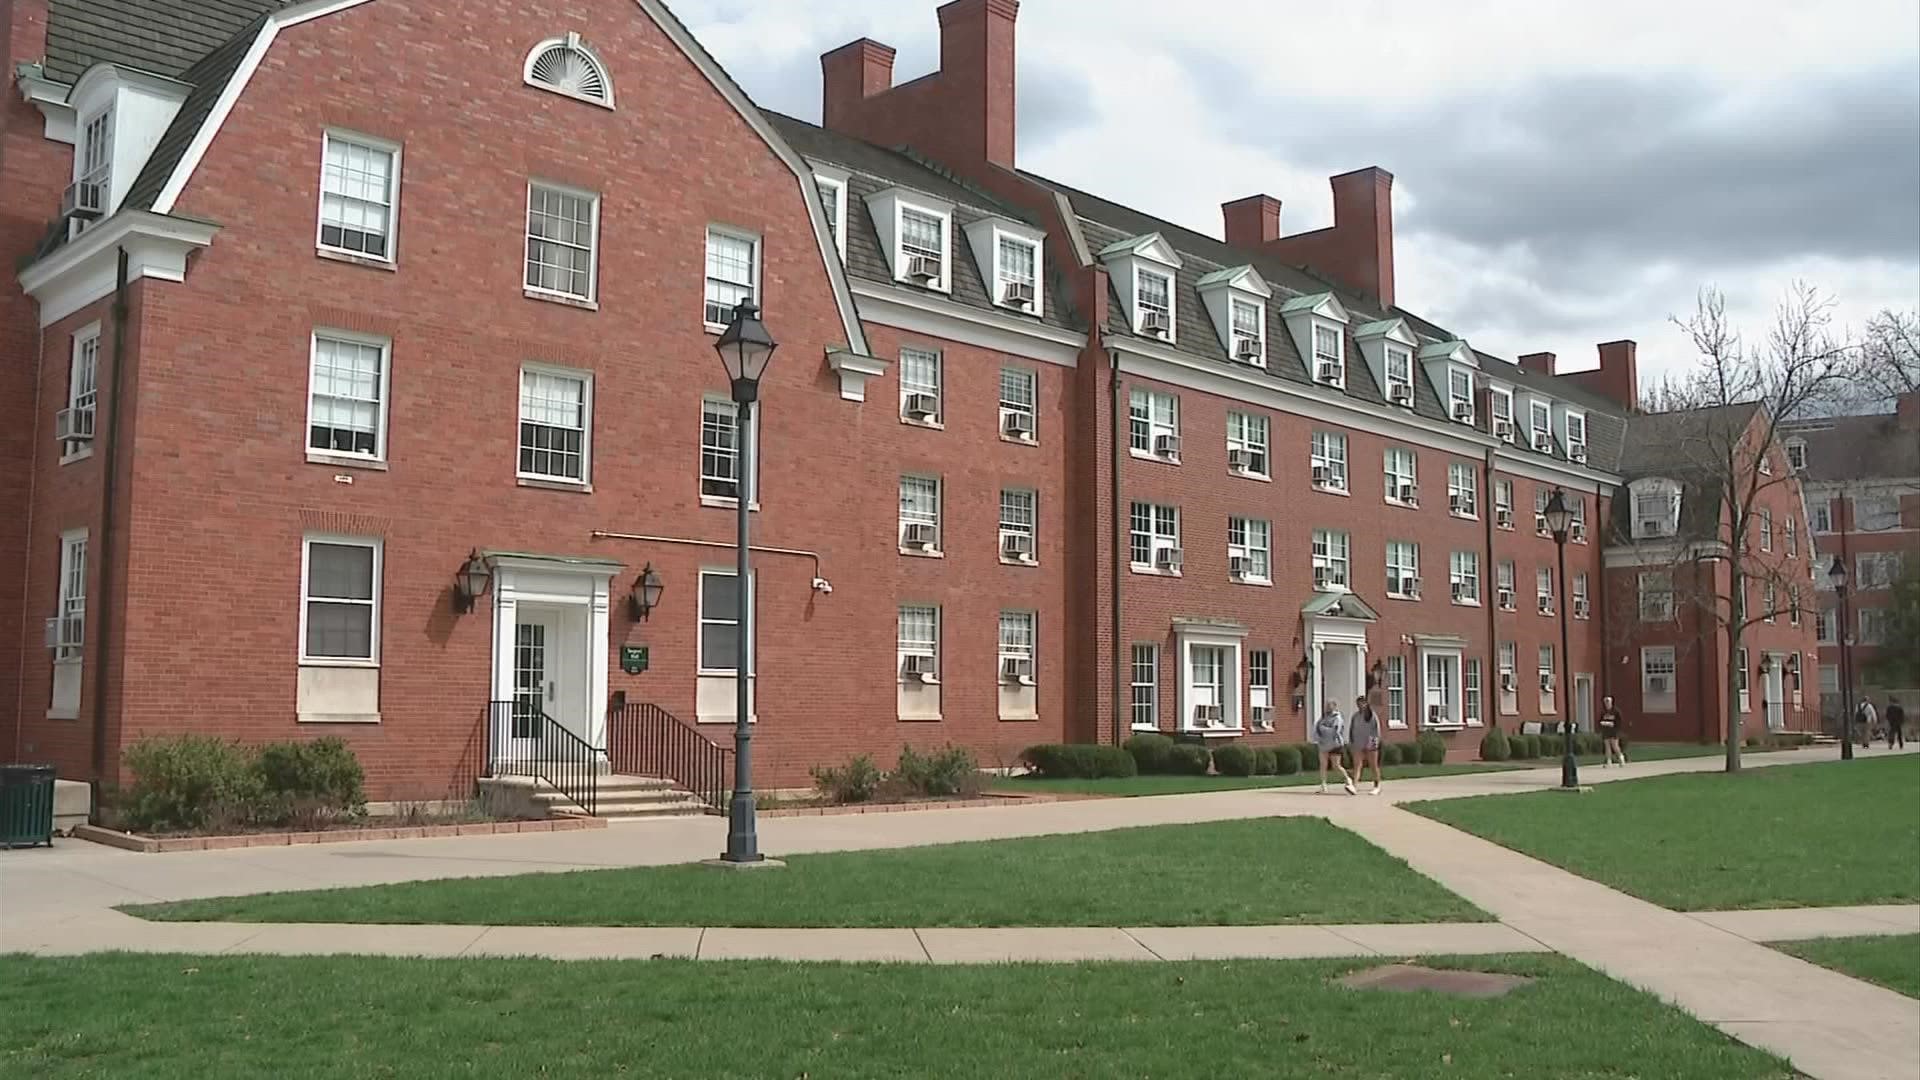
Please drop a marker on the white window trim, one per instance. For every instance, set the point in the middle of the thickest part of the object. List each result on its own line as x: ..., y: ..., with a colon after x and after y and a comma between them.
x: 1394, y: 681
x: 1237, y: 298
x: 1473, y: 689
x: 1496, y: 396
x: 1005, y: 236
x: 592, y: 299
x: 1264, y: 548
x: 1243, y: 442
x: 939, y: 518
x: 1344, y: 561
x: 755, y: 270
x: 1394, y: 479
x: 1232, y: 716
x: 938, y: 421
x: 700, y: 623
x: 1398, y: 573
x: 1032, y: 375
x: 1154, y: 428
x: 1456, y: 577
x: 1339, y: 332
x: 571, y: 41
x: 1660, y: 703
x: 68, y: 539
x: 1454, y: 400
x: 1173, y: 299
x: 377, y: 459
x: 527, y: 479
x: 1155, y: 541
x: 392, y: 257
x: 1453, y: 660
x: 1152, y: 724
x: 1032, y: 531
x: 378, y: 545
x: 1470, y: 493
x: 838, y: 221
x: 1342, y: 484
x: 900, y: 207
x: 1386, y: 365
x: 83, y: 337
x: 901, y: 652
x: 753, y: 452
x: 1573, y: 444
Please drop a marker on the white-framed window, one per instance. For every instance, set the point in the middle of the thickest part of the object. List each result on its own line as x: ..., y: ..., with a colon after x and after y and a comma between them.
x: 1330, y: 559
x: 1442, y: 672
x: 920, y: 396
x: 1249, y: 324
x: 1403, y: 569
x: 1329, y: 354
x: 1017, y: 263
x: 733, y: 274
x: 1540, y: 425
x: 1796, y: 454
x: 1582, y: 603
x: 1019, y: 515
x: 1153, y: 540
x: 1656, y: 509
x: 563, y: 228
x: 1769, y: 602
x: 1742, y: 679
x: 1577, y: 519
x: 1463, y: 491
x: 1766, y: 530
x: 71, y: 640
x: 1460, y: 395
x: 1250, y: 548
x: 1793, y: 613
x: 1877, y: 570
x: 1463, y: 577
x: 1576, y: 436
x: 719, y: 616
x: 1153, y: 296
x: 920, y: 514
x: 1541, y: 497
x: 1400, y: 375
x: 359, y: 195
x: 1396, y: 691
x: 340, y: 600
x: 83, y: 383
x: 1792, y: 529
x: 1873, y: 626
x: 1656, y: 596
x: 1470, y: 709
x: 1017, y: 638
x: 923, y: 247
x: 1247, y: 438
x: 1212, y: 704
x: 1547, y: 684
x: 1153, y: 423
x: 1019, y: 394
x: 556, y: 429
x: 1500, y: 405
x: 1823, y: 624
x: 1507, y: 661
x: 1829, y: 679
x: 1876, y: 513
x: 833, y: 202
x: 720, y: 472
x: 1330, y: 460
x: 1543, y: 590
x: 1503, y: 503
x: 566, y: 66
x: 347, y: 395
x: 1260, y: 687
x: 96, y: 155
x: 1402, y: 476
x: 1657, y: 674
x: 1503, y: 584
x: 1820, y: 517
x: 1144, y: 687
x: 919, y: 637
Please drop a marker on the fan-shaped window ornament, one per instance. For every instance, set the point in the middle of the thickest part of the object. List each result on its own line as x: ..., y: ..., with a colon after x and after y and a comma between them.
x: 567, y: 66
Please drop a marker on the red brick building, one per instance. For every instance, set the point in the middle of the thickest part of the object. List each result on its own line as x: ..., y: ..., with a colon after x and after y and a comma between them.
x: 319, y: 308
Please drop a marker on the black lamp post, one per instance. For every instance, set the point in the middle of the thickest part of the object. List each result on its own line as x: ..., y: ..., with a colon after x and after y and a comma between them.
x: 1559, y: 519
x: 1837, y: 574
x: 745, y: 348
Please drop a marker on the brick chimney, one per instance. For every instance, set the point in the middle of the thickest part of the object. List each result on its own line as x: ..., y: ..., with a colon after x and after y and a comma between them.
x: 963, y: 112
x: 1357, y: 251
x: 1253, y: 221
x: 1618, y: 377
x: 1540, y: 362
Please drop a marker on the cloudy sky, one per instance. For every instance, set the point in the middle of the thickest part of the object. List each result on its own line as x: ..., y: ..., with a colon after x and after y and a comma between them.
x: 1565, y: 172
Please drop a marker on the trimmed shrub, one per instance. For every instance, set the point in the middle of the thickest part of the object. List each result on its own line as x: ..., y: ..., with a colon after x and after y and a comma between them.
x: 854, y: 782
x: 186, y: 782
x: 310, y: 782
x: 951, y: 771
x: 1234, y: 760
x: 1389, y: 754
x: 1410, y: 753
x: 1187, y: 759
x: 1309, y: 757
x: 1495, y: 746
x: 1287, y: 760
x: 1079, y: 761
x: 1433, y: 749
x: 1150, y: 752
x: 1525, y: 747
x: 1266, y: 761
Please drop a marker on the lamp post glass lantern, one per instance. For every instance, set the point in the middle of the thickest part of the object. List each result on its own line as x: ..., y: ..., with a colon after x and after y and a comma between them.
x: 646, y: 591
x: 470, y: 582
x: 745, y: 350
x: 1559, y: 519
x: 1837, y: 576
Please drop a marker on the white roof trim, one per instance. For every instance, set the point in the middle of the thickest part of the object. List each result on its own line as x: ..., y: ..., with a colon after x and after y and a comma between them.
x: 1394, y: 330
x: 1244, y: 278
x: 1457, y: 351
x: 940, y: 316
x: 1151, y: 246
x: 85, y: 271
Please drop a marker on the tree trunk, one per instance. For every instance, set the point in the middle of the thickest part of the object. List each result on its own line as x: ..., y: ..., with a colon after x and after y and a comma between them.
x: 1735, y: 669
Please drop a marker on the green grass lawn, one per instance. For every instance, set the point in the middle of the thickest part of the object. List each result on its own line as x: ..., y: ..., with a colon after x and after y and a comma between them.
x: 1258, y: 871
x: 184, y: 1018
x: 1893, y: 962
x: 1800, y: 836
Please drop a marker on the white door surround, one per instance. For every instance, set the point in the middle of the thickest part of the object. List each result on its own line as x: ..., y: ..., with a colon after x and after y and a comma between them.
x: 1442, y: 680
x: 567, y: 599
x: 1216, y: 645
x: 1582, y: 701
x: 1336, y: 632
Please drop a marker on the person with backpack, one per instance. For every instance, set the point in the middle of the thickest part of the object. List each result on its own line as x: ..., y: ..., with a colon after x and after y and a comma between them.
x: 1868, y: 720
x: 1896, y: 720
x: 1363, y: 736
x: 1612, y: 726
x: 1330, y: 735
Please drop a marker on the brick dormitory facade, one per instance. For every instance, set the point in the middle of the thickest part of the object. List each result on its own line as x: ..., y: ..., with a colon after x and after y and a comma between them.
x: 315, y: 306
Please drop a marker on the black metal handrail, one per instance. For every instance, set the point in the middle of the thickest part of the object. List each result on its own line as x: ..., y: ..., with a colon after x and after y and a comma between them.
x: 647, y: 740
x: 528, y: 742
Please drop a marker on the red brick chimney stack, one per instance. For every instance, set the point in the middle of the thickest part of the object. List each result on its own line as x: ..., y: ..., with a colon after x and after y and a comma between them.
x: 850, y: 75
x: 1357, y: 251
x: 1618, y: 377
x: 1253, y: 221
x: 1541, y: 362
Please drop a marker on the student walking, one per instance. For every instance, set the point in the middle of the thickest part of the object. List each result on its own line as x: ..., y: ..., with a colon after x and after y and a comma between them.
x: 1612, y: 726
x: 1363, y: 735
x: 1896, y: 720
x: 1330, y: 735
x: 1869, y: 722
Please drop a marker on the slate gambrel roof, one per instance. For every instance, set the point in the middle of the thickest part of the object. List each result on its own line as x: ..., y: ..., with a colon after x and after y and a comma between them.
x: 165, y: 37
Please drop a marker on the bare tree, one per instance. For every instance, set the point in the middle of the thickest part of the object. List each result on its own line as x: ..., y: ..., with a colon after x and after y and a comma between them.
x: 1889, y: 357
x: 1717, y: 438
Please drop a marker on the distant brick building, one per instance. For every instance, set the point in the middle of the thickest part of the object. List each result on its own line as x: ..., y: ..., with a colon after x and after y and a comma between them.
x: 317, y: 308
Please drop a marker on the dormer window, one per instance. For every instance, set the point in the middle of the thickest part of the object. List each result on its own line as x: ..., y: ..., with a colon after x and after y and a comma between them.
x: 1400, y: 376
x: 1329, y: 355
x: 1249, y: 332
x: 92, y: 193
x: 923, y: 246
x: 1500, y: 405
x: 566, y: 66
x: 1460, y: 394
x: 1008, y: 254
x: 1237, y: 298
x: 833, y: 202
x: 1016, y: 265
x: 1153, y: 303
x: 1142, y: 269
x: 1387, y: 348
x: 916, y: 236
x: 1656, y: 509
x: 1540, y: 425
x: 1796, y: 455
x: 1577, y: 437
x: 1318, y: 324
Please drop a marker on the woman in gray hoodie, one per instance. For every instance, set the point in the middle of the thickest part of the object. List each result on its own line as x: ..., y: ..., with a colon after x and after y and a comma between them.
x: 1330, y: 735
x: 1363, y: 734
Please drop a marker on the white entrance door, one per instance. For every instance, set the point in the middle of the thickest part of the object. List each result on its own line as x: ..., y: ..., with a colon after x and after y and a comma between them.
x: 1775, y: 691
x: 1583, y: 702
x: 549, y: 671
x: 1339, y: 677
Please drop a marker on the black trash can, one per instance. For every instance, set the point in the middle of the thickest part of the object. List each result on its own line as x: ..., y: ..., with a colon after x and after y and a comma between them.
x: 26, y: 805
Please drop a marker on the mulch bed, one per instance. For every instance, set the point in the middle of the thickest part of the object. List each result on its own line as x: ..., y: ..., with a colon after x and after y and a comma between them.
x: 346, y: 834
x: 825, y: 810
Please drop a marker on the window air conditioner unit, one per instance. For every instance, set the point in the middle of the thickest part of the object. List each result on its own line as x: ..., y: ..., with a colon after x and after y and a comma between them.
x: 1327, y: 371
x: 1017, y: 546
x: 1167, y: 446
x: 1410, y: 586
x: 1463, y: 411
x: 1460, y: 591
x: 917, y: 535
x: 1543, y: 442
x: 1546, y: 682
x: 1240, y: 460
x: 1017, y: 670
x: 1657, y: 684
x: 1652, y: 527
x: 1577, y: 453
x: 1504, y: 517
x: 1263, y: 717
x: 1169, y: 558
x: 1322, y: 577
x: 1546, y: 605
x: 1247, y: 348
x: 1578, y: 531
x: 1153, y: 322
x: 1018, y: 425
x: 1506, y: 599
x: 1540, y: 523
x: 1507, y: 681
x: 1239, y: 567
x: 73, y: 425
x: 1400, y: 394
x: 920, y: 668
x: 1503, y: 430
x: 1019, y: 294
x: 54, y: 627
x: 84, y: 199
x: 921, y: 406
x: 923, y: 268
x: 1322, y: 475
x: 1206, y: 715
x: 1410, y: 494
x: 1457, y: 504
x: 1581, y: 609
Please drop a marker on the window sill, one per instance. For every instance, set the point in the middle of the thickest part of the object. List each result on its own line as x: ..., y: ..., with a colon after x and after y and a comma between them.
x: 1474, y: 721
x: 1504, y: 528
x: 1258, y: 582
x: 64, y: 714
x: 1019, y: 441
x: 1215, y: 733
x: 77, y: 455
x: 1148, y: 455
x: 1403, y: 504
x: 333, y: 662
x: 1449, y: 725
x: 338, y: 718
x: 916, y: 553
x: 1326, y: 489
x: 561, y: 298
x: 352, y: 259
x: 931, y: 425
x: 928, y: 286
x: 1022, y: 718
x: 1152, y: 571
x: 1463, y: 516
x: 578, y: 487
x: 1248, y: 475
x: 1143, y: 727
x: 1004, y: 561
x: 345, y: 461
x: 1403, y: 596
x: 934, y: 719
x: 722, y: 718
x: 1396, y: 725
x: 726, y: 502
x: 1466, y: 603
